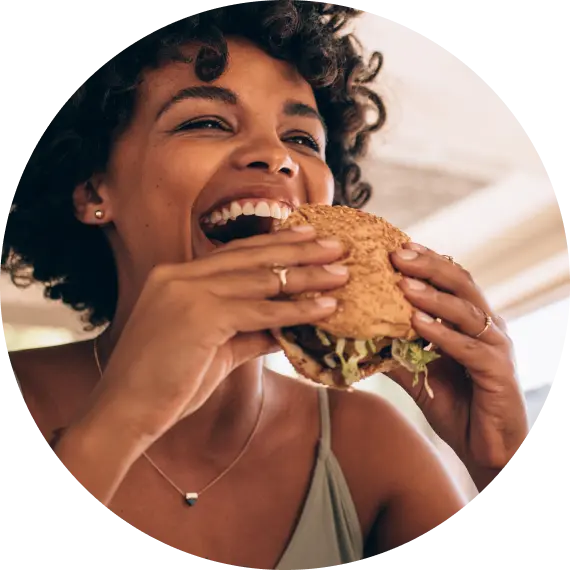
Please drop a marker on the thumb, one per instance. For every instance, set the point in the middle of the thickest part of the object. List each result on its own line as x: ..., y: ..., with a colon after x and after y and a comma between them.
x: 246, y: 346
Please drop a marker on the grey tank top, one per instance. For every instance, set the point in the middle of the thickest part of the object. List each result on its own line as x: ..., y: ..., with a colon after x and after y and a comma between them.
x: 328, y: 532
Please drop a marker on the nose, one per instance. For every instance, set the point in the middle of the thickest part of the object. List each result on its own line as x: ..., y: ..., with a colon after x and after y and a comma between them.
x: 271, y: 156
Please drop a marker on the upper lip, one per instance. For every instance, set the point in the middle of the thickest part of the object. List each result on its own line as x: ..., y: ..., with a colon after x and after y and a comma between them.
x: 271, y: 192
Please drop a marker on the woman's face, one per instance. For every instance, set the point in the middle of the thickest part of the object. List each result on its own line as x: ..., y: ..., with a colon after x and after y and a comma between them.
x: 203, y: 163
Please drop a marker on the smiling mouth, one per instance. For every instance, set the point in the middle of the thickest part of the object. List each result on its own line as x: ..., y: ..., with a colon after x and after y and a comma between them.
x: 244, y: 218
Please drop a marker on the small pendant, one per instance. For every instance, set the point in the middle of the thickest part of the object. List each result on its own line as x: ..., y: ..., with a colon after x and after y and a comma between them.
x: 191, y: 499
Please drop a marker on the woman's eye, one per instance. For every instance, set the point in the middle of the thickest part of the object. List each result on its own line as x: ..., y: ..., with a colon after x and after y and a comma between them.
x: 305, y: 140
x: 213, y: 124
x: 206, y: 124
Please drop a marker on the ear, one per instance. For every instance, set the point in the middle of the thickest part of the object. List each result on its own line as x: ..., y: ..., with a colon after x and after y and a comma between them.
x: 91, y: 202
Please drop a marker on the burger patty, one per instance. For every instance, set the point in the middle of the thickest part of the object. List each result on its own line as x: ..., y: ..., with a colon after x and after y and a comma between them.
x: 306, y: 337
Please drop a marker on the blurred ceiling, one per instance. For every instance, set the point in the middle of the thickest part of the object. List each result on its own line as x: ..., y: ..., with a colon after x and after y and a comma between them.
x: 451, y: 152
x: 447, y: 133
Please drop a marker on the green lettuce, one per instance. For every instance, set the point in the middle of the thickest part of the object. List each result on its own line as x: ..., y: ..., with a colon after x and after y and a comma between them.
x: 409, y: 354
x: 414, y: 358
x: 349, y: 367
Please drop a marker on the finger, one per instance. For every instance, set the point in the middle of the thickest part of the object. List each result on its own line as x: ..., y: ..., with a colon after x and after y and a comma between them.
x: 498, y: 320
x: 252, y: 345
x: 253, y: 316
x: 472, y: 353
x: 319, y: 252
x: 441, y: 273
x: 266, y: 283
x: 297, y: 234
x: 462, y: 314
x: 425, y: 250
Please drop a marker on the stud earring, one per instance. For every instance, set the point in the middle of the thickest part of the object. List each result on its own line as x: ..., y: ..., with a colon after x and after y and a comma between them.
x: 99, y: 214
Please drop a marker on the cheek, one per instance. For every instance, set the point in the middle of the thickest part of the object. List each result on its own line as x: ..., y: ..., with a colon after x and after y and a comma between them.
x: 153, y: 194
x: 180, y: 173
x: 320, y: 184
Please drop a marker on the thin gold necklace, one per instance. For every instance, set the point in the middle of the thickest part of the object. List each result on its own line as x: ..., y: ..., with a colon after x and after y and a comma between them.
x: 190, y: 499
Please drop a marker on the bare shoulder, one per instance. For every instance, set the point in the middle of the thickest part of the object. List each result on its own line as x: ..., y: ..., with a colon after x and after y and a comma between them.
x: 369, y: 434
x: 39, y: 365
x: 358, y: 410
x: 372, y: 433
x: 50, y: 380
x: 372, y: 421
x: 363, y: 425
x: 379, y: 451
x: 399, y: 484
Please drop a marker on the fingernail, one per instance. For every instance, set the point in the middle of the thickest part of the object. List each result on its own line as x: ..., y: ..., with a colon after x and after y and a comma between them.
x: 416, y: 247
x: 329, y: 243
x: 326, y: 302
x: 424, y: 318
x: 336, y: 269
x: 407, y: 254
x: 414, y: 284
x: 304, y: 229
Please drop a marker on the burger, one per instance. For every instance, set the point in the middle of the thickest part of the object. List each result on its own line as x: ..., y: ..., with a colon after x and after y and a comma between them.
x: 371, y: 330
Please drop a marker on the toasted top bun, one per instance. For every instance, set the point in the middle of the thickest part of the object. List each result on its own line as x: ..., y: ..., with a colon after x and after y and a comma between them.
x: 371, y: 304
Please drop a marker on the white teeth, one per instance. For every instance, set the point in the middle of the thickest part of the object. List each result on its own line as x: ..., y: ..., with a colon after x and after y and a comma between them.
x: 235, y: 210
x: 216, y: 217
x: 248, y: 209
x: 262, y: 210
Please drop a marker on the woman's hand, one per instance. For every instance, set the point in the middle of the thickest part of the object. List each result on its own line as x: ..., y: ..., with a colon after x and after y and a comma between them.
x: 194, y: 323
x: 478, y: 408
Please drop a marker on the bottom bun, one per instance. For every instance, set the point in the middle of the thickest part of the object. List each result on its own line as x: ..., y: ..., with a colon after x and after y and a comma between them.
x: 309, y: 368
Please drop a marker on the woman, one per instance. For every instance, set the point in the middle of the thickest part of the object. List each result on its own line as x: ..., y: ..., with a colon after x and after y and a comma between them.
x: 170, y: 406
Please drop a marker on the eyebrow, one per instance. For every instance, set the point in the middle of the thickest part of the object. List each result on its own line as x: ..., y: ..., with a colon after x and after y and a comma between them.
x: 223, y: 95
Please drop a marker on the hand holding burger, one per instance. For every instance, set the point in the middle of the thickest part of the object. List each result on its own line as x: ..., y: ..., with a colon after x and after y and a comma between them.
x: 406, y: 310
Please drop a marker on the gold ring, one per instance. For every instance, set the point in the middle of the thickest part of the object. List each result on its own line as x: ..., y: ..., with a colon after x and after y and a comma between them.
x: 449, y: 258
x: 488, y: 323
x: 281, y: 272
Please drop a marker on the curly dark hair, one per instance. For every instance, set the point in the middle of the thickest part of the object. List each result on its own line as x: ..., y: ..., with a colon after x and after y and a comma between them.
x: 44, y: 241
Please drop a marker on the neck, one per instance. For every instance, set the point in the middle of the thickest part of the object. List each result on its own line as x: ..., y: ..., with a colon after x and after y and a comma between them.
x: 224, y: 422
x: 221, y: 425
